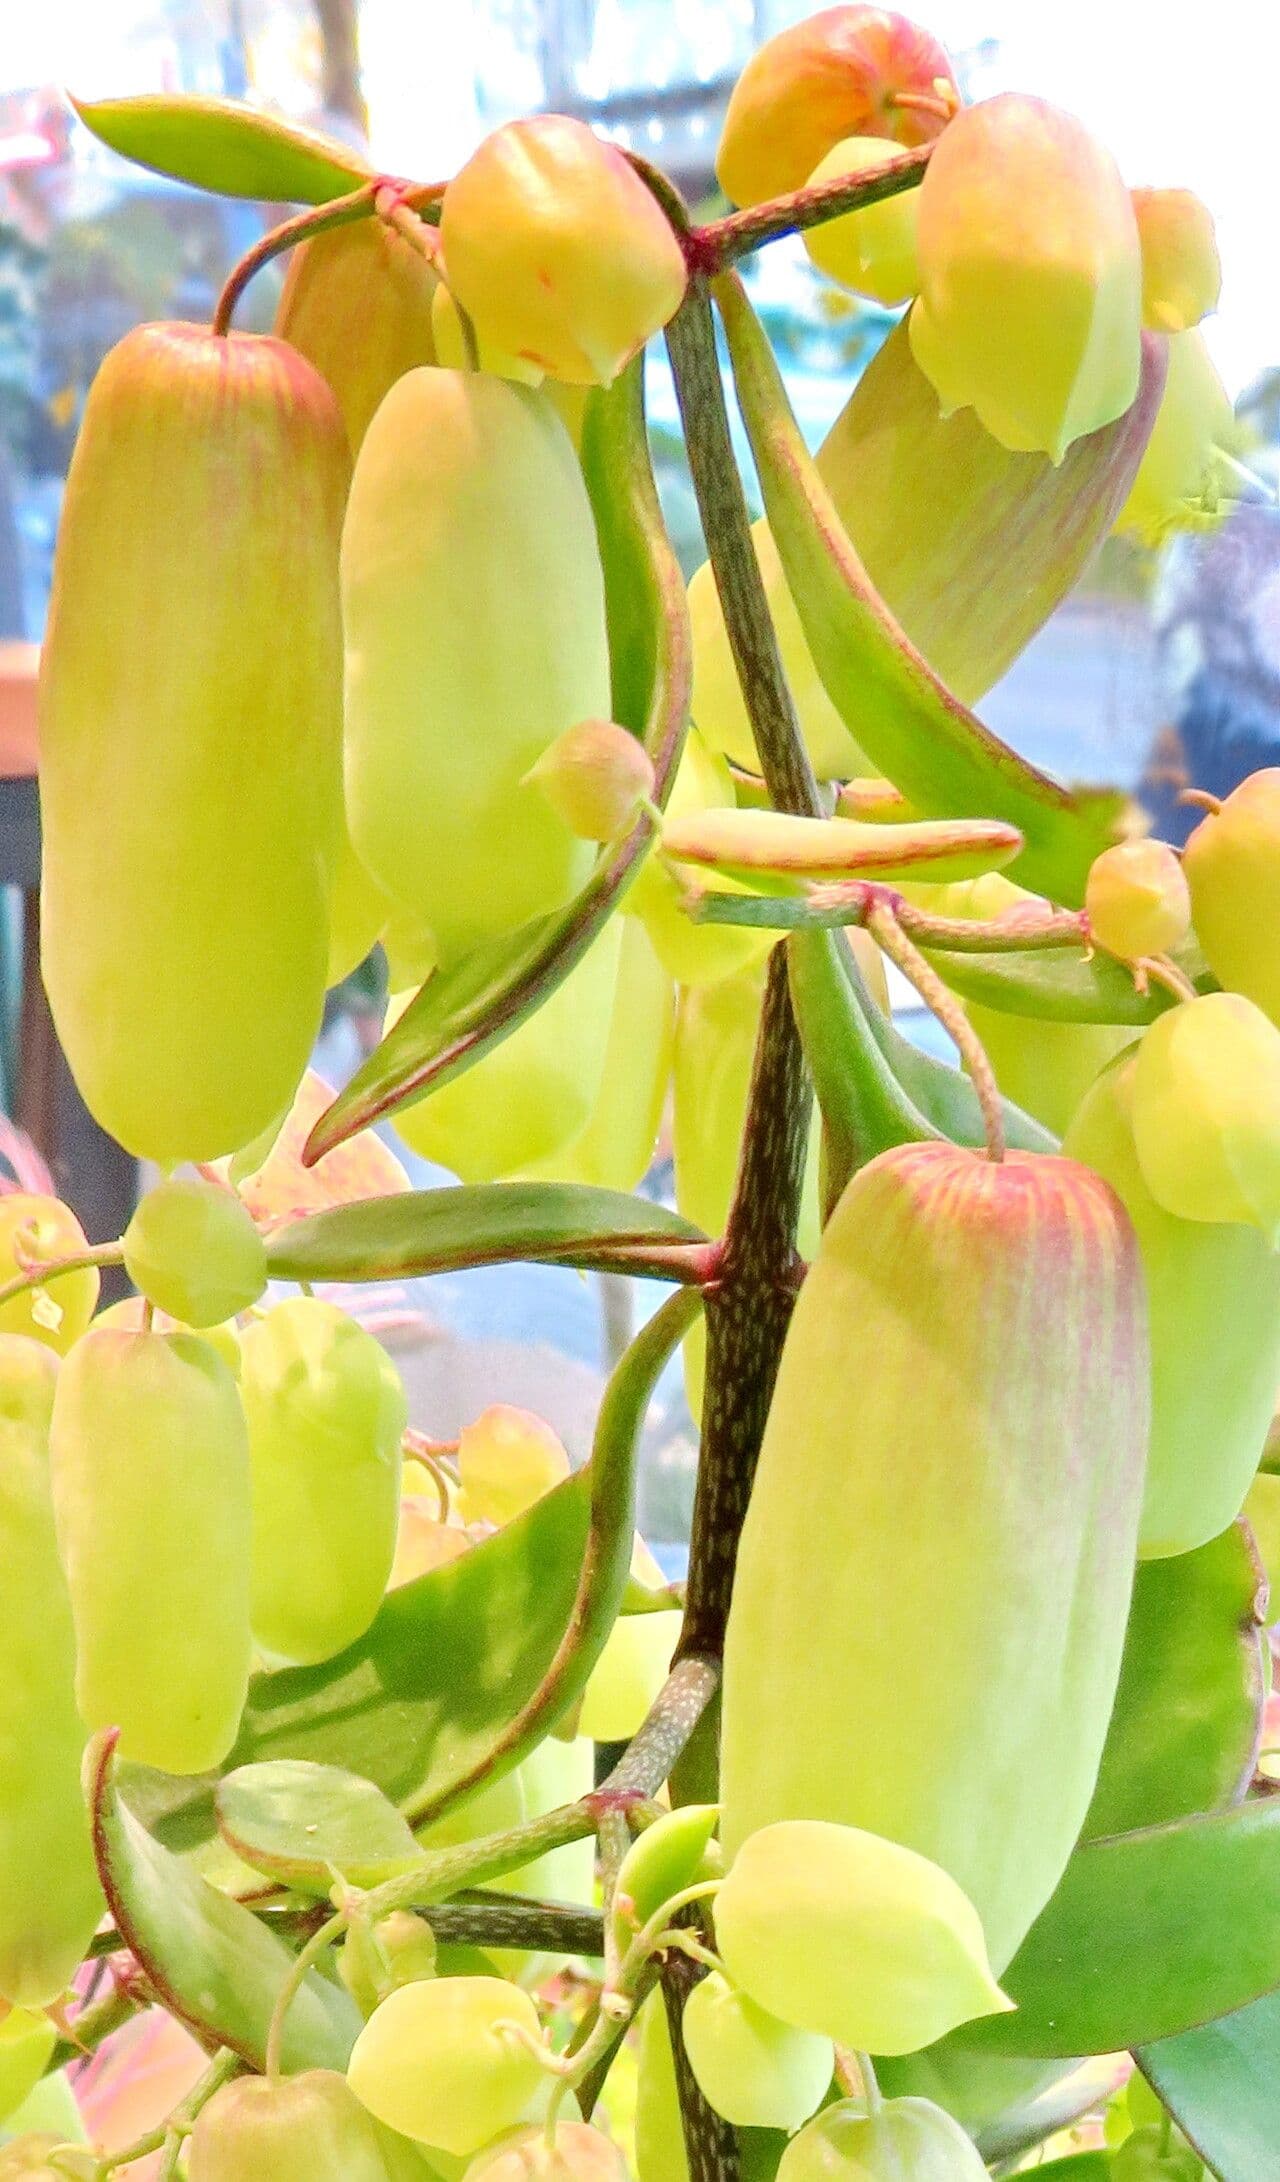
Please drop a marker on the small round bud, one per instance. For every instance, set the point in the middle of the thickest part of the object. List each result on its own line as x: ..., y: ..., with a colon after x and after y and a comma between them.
x: 299, y: 2129
x: 1206, y: 1112
x: 558, y: 252
x: 1233, y: 869
x: 1145, y: 2156
x: 754, y: 2070
x: 595, y: 776
x: 579, y: 2154
x: 192, y: 1249
x: 34, y: 1227
x: 444, y: 2061
x: 507, y: 1459
x: 398, y: 1950
x: 847, y: 71
x: 902, y: 2137
x: 1137, y: 900
x: 873, y: 250
x: 1181, y: 269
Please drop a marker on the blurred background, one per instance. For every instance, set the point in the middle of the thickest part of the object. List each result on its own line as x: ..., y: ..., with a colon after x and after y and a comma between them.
x: 1160, y: 670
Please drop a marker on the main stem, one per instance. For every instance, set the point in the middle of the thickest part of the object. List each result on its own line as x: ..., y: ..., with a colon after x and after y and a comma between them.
x: 749, y: 1304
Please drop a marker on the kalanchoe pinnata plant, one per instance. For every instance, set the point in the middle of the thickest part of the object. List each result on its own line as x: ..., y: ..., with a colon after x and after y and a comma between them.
x: 945, y: 1779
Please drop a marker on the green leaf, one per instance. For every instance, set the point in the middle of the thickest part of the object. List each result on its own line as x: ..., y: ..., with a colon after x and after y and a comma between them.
x: 906, y: 720
x: 208, y: 1959
x: 1188, y: 1713
x: 301, y: 1824
x: 1062, y: 987
x: 940, y: 512
x: 483, y: 1223
x: 1221, y: 2083
x: 1148, y: 1935
x: 219, y: 145
x: 464, y: 1011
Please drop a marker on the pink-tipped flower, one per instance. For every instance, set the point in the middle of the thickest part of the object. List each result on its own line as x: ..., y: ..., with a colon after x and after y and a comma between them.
x: 1030, y: 305
x: 848, y: 71
x: 558, y: 252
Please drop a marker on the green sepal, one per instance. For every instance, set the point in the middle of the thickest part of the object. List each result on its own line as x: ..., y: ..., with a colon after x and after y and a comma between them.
x: 462, y: 1012
x: 1187, y: 1721
x: 304, y: 1825
x: 1148, y: 1935
x: 207, y: 1959
x: 906, y: 720
x: 484, y: 1223
x: 219, y: 145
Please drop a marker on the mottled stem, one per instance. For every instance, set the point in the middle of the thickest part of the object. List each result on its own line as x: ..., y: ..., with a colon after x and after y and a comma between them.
x: 747, y: 1312
x: 748, y: 1305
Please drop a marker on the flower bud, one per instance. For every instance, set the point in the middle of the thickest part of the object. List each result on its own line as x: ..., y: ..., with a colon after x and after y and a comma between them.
x: 1137, y: 900
x: 304, y: 2128
x: 198, y: 538
x: 1181, y: 269
x: 1148, y: 2155
x: 578, y: 2154
x: 1206, y: 1112
x: 558, y: 252
x: 990, y: 1450
x: 507, y: 1459
x: 596, y: 775
x: 848, y: 71
x: 1030, y: 276
x: 452, y: 348
x: 903, y: 2138
x: 1177, y: 484
x: 357, y: 303
x: 1232, y: 864
x: 873, y: 250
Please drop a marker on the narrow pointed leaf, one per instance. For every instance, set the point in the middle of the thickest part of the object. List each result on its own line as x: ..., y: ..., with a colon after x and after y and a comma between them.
x: 1148, y: 1935
x: 1188, y: 1714
x: 907, y: 721
x: 300, y: 1824
x: 209, y: 1960
x: 218, y: 144
x: 760, y: 846
x: 484, y: 1223
x: 461, y: 1013
x: 1062, y: 987
x: 941, y: 513
x: 1221, y: 2083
